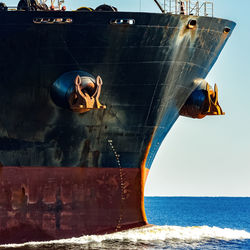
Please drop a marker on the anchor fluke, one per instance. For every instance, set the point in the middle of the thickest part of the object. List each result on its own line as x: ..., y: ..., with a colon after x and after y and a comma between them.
x: 86, y: 94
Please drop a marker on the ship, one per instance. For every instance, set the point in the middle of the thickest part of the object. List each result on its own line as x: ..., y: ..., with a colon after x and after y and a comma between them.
x: 87, y: 97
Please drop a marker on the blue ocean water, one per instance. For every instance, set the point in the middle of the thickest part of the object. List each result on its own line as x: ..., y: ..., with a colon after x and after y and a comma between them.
x: 212, y: 222
x: 223, y: 212
x: 180, y: 223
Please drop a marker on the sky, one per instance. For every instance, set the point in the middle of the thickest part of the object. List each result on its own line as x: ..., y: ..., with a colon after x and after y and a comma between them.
x: 208, y: 157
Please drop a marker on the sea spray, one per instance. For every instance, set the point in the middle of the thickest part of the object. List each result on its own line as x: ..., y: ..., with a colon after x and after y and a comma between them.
x: 175, y: 236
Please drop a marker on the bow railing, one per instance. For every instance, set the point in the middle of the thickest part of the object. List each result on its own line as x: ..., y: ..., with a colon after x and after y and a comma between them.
x: 186, y: 7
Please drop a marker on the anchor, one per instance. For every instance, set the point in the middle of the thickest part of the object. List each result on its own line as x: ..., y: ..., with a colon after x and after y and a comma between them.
x: 214, y: 107
x: 203, y: 101
x: 85, y: 96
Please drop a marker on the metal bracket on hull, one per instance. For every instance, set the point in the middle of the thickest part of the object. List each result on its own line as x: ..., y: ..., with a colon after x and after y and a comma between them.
x: 86, y: 95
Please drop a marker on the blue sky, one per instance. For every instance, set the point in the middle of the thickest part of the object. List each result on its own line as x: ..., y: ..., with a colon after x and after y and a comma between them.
x: 209, y: 157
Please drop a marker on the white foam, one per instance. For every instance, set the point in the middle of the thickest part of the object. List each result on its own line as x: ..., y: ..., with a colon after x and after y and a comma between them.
x: 154, y: 233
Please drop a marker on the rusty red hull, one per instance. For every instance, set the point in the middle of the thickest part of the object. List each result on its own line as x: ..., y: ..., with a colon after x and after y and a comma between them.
x: 52, y: 203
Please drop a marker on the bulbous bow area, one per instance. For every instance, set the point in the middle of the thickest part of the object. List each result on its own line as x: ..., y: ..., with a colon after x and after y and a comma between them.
x: 203, y: 101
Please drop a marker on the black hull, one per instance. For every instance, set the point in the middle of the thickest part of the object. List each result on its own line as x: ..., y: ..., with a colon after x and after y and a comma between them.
x: 148, y: 71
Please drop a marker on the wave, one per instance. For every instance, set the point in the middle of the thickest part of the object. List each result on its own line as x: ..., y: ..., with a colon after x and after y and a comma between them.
x: 149, y: 235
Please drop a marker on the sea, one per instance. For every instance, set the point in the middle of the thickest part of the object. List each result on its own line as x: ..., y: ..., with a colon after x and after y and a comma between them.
x: 178, y: 223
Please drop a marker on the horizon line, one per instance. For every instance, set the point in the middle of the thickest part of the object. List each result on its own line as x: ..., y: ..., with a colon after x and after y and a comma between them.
x: 190, y: 196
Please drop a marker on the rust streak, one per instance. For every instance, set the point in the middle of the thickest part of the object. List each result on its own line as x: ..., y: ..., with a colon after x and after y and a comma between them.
x: 144, y: 174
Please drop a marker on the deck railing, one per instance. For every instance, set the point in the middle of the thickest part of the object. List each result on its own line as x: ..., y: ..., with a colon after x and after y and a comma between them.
x: 187, y: 7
